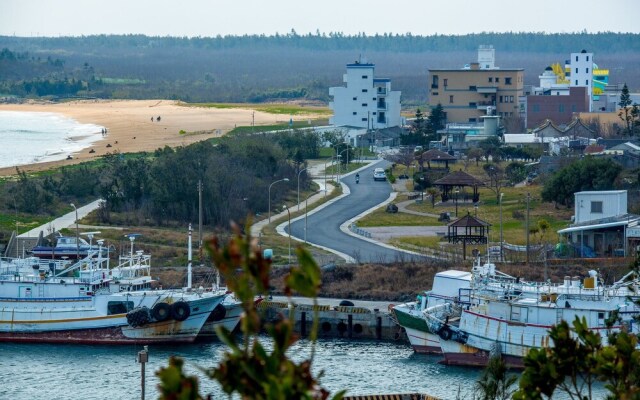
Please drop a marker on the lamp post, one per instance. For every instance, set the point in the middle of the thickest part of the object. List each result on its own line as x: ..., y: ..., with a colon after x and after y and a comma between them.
x: 273, y: 183
x: 299, y: 172
x: 289, y: 231
x: 501, y: 239
x: 77, y: 233
x: 528, y: 198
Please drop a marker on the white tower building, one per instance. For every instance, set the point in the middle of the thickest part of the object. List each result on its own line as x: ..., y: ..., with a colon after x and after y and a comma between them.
x: 582, y: 73
x: 486, y: 56
x: 366, y: 102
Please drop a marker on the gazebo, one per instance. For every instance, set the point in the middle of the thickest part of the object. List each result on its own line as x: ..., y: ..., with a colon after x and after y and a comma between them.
x: 458, y: 179
x: 468, y: 229
x: 436, y: 156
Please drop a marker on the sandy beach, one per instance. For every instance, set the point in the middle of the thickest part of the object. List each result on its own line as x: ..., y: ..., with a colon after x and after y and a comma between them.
x: 130, y: 128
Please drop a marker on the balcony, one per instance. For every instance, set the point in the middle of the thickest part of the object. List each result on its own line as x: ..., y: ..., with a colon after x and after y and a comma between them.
x: 487, y: 89
x: 382, y: 105
x: 382, y: 91
x: 485, y: 104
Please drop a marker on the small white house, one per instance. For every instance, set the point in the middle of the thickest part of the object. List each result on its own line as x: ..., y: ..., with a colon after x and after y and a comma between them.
x: 366, y: 101
x: 602, y: 226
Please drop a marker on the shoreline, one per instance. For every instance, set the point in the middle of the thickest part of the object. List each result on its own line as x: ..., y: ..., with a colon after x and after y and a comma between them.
x: 130, y: 127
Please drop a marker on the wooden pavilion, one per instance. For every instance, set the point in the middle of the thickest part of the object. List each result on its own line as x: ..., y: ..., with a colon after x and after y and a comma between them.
x: 468, y: 229
x: 457, y: 180
x: 436, y: 156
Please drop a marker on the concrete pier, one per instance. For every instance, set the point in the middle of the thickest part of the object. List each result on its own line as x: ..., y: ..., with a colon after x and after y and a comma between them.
x: 335, y: 321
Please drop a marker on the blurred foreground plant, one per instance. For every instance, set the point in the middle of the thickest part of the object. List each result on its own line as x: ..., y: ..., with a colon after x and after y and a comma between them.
x: 248, y: 369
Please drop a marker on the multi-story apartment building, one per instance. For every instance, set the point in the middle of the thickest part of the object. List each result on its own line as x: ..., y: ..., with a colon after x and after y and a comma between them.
x: 365, y: 102
x: 466, y: 93
x: 582, y: 73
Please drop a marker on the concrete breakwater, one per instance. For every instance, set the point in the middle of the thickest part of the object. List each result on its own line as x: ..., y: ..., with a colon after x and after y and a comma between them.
x: 337, y: 321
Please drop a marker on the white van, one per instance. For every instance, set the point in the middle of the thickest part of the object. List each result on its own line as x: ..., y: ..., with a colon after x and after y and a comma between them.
x: 379, y: 175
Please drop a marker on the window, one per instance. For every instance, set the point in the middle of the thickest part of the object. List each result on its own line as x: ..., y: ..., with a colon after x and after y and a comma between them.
x: 587, y: 58
x: 364, y: 119
x: 364, y: 90
x: 596, y: 207
x: 472, y: 105
x: 355, y: 98
x: 472, y: 120
x: 473, y: 88
x: 561, y: 108
x: 364, y: 76
x: 364, y: 104
x: 435, y: 93
x: 434, y: 82
x: 355, y: 113
x: 501, y: 99
x: 374, y: 113
x: 490, y: 79
x: 507, y: 81
x: 576, y: 82
x: 119, y: 307
x: 374, y: 99
x: 451, y: 99
x: 536, y: 108
x: 497, y: 79
x: 574, y: 108
x: 586, y: 83
x: 446, y: 82
x: 586, y: 70
x: 510, y: 99
x: 576, y: 58
x: 576, y: 70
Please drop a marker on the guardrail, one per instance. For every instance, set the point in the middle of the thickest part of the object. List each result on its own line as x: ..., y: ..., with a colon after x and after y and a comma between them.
x: 359, y: 231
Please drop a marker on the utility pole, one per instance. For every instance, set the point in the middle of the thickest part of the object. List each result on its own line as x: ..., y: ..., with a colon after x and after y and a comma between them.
x: 528, y: 198
x: 143, y: 358
x: 200, y: 218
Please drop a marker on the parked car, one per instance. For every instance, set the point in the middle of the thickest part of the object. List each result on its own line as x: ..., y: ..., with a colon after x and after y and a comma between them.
x: 379, y: 175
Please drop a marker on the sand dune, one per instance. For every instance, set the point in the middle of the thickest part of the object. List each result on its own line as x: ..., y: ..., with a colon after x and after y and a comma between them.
x: 130, y: 128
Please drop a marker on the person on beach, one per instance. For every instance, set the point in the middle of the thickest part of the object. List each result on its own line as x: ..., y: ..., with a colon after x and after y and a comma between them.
x: 151, y: 119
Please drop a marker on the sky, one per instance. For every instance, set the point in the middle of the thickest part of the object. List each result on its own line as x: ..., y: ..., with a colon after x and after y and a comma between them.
x: 207, y: 18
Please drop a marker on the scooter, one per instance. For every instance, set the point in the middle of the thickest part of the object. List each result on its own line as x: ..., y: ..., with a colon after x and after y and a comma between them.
x: 357, y: 179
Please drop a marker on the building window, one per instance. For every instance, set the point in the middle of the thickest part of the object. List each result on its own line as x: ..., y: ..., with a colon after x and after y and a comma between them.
x: 576, y: 82
x: 364, y: 104
x: 374, y: 113
x: 510, y: 99
x: 473, y: 88
x: 500, y: 99
x: 364, y: 76
x: 576, y: 58
x: 574, y: 108
x: 472, y: 120
x: 434, y: 82
x: 446, y: 82
x: 586, y: 82
x: 497, y: 79
x: 587, y: 58
x: 576, y: 70
x: 536, y: 108
x: 374, y: 99
x: 587, y: 70
x: 491, y: 79
x: 364, y: 90
x: 561, y: 108
x: 507, y: 81
x: 355, y: 98
x: 596, y: 207
x: 355, y: 113
x: 472, y: 105
x: 435, y: 93
x: 451, y: 99
x: 364, y: 119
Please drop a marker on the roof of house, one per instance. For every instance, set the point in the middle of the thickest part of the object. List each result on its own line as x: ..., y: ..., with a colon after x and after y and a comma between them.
x: 436, y: 155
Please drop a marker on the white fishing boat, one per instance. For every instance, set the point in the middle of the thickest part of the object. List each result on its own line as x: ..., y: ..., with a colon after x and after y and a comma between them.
x: 88, y: 302
x: 446, y: 290
x: 507, y: 317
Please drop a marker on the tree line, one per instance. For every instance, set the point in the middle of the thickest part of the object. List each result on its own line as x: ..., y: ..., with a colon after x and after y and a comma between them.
x: 161, y: 188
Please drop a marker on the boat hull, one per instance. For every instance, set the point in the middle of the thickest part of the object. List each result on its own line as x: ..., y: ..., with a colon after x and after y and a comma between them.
x: 455, y: 353
x: 233, y: 313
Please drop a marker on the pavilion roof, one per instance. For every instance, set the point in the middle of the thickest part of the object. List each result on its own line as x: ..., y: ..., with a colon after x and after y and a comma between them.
x: 459, y: 178
x: 437, y: 155
x: 468, y: 221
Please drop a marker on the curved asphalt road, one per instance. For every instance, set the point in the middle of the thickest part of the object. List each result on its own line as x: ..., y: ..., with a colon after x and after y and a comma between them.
x: 323, y: 227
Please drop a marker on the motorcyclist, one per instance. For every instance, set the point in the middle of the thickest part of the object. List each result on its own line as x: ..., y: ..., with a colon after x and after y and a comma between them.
x: 357, y: 177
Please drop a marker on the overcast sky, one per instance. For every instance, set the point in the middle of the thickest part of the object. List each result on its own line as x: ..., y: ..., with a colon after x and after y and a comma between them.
x: 237, y: 17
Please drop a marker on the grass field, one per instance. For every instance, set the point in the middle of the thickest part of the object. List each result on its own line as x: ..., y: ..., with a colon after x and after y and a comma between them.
x: 271, y: 108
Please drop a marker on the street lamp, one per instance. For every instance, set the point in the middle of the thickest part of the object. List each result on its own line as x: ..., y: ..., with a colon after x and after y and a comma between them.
x: 501, y: 239
x: 281, y: 180
x: 299, y: 172
x: 77, y: 233
x: 289, y: 230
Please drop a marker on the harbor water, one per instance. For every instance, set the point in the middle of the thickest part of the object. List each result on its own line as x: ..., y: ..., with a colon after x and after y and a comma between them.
x: 34, y: 137
x: 32, y: 371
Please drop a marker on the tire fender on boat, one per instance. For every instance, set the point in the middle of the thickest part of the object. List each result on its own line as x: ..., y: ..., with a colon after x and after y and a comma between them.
x: 180, y: 310
x: 161, y: 312
x: 218, y: 313
x: 445, y: 333
x: 138, y: 317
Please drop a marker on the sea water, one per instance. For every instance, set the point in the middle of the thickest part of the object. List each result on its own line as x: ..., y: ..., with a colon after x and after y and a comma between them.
x: 33, y: 371
x: 33, y: 137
